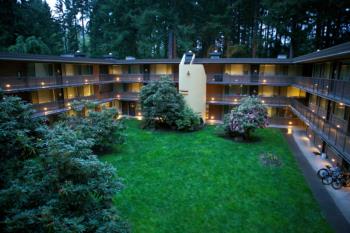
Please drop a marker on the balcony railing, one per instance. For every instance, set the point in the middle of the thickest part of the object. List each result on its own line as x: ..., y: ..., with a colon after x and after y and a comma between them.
x: 58, y: 106
x: 235, y: 100
x: 13, y: 83
x: 330, y: 133
x: 136, y: 78
x: 249, y: 79
x: 128, y: 96
x: 338, y: 90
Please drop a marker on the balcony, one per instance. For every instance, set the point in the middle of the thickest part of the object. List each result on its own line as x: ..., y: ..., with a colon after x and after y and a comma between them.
x: 337, y: 90
x: 274, y: 80
x: 277, y: 101
x: 332, y: 135
x: 9, y: 84
x: 54, y: 107
x: 136, y: 78
x: 127, y: 96
x: 25, y: 83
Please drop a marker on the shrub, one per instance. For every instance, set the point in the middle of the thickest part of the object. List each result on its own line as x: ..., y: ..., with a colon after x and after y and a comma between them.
x: 188, y: 120
x: 63, y: 187
x: 248, y: 116
x: 102, y: 126
x: 163, y: 106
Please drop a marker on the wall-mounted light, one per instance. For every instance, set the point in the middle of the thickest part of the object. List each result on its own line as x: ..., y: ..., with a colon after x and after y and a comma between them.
x: 212, y: 118
x: 212, y: 98
x: 45, y: 109
x: 333, y: 160
x: 42, y: 83
x: 8, y: 85
x: 290, y: 123
x: 117, y: 78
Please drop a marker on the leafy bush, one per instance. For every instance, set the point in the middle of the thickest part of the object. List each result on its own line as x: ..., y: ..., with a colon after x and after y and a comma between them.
x: 18, y: 132
x: 103, y: 126
x: 163, y: 106
x: 63, y: 187
x: 248, y: 116
x: 188, y: 121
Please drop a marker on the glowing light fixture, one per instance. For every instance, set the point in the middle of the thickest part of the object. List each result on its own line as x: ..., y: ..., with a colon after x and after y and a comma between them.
x: 212, y: 98
x: 212, y: 118
x: 45, y: 109
x: 42, y: 83
x: 290, y: 123
x: 8, y: 85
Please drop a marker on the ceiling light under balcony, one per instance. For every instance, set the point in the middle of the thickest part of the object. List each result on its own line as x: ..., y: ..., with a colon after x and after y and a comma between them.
x: 117, y: 78
x: 290, y: 123
x: 212, y: 98
x: 42, y: 83
x: 8, y: 85
x: 45, y: 109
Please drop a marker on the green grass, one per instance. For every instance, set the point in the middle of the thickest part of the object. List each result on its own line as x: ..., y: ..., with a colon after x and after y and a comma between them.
x: 199, y: 182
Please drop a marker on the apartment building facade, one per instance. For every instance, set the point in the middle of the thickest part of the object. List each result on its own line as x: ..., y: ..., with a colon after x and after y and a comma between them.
x: 312, y: 91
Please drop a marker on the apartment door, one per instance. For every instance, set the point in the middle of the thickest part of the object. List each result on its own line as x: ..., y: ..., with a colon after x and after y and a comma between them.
x: 146, y: 73
x: 254, y: 73
x: 334, y: 76
x: 58, y: 73
x: 132, y: 107
x: 253, y: 90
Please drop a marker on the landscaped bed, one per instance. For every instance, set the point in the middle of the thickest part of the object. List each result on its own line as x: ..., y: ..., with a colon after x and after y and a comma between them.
x: 200, y: 182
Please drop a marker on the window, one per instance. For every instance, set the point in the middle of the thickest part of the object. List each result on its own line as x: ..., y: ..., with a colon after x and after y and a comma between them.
x: 339, y: 110
x: 345, y: 71
x: 103, y: 69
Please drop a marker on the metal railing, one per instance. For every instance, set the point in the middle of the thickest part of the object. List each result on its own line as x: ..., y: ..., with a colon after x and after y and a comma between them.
x: 221, y: 78
x: 58, y: 106
x: 332, y: 135
x: 235, y: 100
x: 14, y: 83
x: 338, y: 90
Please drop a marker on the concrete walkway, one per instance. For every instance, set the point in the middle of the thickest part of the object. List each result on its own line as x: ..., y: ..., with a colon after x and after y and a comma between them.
x: 335, y: 204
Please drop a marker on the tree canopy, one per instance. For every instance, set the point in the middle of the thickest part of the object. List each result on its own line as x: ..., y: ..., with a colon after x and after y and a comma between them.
x: 238, y: 28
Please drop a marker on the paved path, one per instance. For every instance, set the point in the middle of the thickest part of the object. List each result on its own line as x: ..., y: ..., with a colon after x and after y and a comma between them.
x: 330, y: 209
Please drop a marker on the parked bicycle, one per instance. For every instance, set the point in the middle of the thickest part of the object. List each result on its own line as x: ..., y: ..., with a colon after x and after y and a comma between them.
x: 341, y: 180
x: 327, y: 171
x: 334, y: 176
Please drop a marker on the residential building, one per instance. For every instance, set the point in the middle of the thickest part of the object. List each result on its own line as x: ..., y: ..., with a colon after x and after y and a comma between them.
x: 312, y: 91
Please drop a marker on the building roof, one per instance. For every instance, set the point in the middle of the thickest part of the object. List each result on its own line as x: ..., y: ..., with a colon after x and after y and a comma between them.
x: 338, y: 51
x: 335, y: 52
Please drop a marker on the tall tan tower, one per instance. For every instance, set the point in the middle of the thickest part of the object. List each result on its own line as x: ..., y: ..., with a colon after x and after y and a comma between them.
x: 193, y: 83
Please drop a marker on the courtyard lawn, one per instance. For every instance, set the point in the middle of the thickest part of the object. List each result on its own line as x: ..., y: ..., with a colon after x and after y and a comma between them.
x: 199, y: 182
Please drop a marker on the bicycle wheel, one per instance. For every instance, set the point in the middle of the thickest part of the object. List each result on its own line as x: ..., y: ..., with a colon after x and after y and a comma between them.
x: 337, y: 184
x: 327, y: 180
x: 323, y: 172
